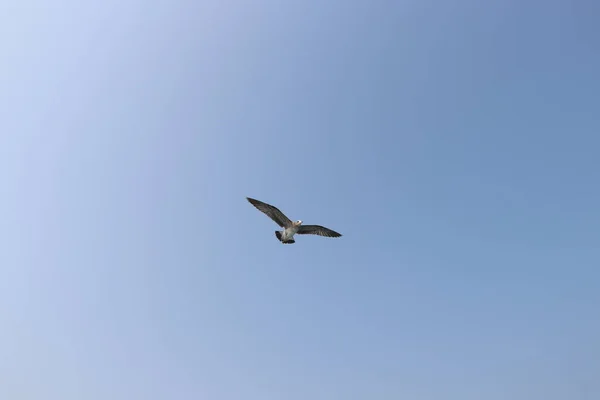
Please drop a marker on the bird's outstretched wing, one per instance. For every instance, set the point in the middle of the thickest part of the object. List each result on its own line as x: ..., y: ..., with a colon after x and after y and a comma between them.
x: 317, y: 230
x: 272, y: 212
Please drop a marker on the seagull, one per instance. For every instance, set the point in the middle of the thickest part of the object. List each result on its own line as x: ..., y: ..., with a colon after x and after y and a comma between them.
x: 286, y: 236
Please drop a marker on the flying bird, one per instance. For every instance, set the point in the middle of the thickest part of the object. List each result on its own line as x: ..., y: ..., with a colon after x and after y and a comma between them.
x: 290, y: 228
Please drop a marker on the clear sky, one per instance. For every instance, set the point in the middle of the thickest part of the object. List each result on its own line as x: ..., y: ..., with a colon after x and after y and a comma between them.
x: 455, y: 145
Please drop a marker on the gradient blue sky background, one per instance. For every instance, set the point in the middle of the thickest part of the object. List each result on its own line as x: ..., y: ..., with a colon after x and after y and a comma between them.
x: 454, y: 144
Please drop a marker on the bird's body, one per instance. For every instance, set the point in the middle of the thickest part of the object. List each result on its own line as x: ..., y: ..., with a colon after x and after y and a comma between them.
x: 286, y: 236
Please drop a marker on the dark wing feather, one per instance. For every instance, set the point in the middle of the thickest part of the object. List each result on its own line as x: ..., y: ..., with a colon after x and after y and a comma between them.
x: 272, y: 212
x: 317, y: 230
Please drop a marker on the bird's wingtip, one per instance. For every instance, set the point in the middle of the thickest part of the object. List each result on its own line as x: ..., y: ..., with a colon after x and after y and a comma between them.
x: 252, y: 201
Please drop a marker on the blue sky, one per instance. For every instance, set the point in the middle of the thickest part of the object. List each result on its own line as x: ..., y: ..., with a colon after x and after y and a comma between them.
x: 454, y: 145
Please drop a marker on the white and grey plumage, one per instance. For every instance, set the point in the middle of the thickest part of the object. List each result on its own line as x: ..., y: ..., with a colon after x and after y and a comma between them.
x: 290, y: 228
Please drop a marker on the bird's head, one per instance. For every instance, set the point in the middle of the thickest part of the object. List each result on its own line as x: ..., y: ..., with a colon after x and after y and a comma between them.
x: 298, y: 222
